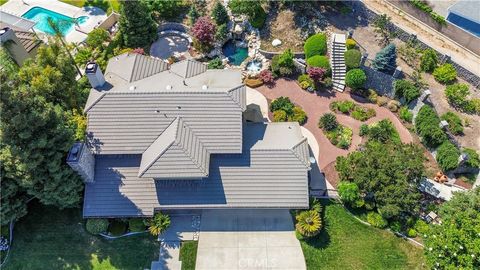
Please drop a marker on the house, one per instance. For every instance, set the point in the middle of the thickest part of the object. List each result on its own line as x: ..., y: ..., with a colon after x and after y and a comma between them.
x: 164, y: 137
x: 19, y: 44
x: 465, y: 14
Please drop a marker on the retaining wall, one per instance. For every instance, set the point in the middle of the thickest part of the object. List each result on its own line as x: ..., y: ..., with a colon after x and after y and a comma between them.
x: 270, y: 55
x: 362, y: 10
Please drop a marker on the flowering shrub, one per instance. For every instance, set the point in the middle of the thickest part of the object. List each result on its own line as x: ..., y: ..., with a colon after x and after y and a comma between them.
x: 266, y: 76
x: 139, y: 51
x: 316, y: 73
x: 204, y: 30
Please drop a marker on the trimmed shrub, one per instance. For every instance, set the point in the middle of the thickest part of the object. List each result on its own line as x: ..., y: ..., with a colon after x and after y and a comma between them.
x: 395, y: 226
x: 215, y: 63
x: 315, y: 45
x: 350, y: 43
x: 204, y: 30
x: 429, y: 60
x: 348, y: 192
x: 282, y: 103
x: 282, y: 64
x: 363, y: 130
x: 447, y: 156
x: 306, y: 82
x: 445, y: 73
x: 472, y: 106
x: 383, y: 131
x: 316, y: 73
x: 457, y: 95
x: 158, y: 224
x: 473, y: 160
x: 455, y: 124
x: 382, y: 101
x: 319, y: 61
x: 136, y: 225
x: 407, y: 90
x: 96, y: 225
x: 117, y: 227
x: 279, y: 116
x: 355, y: 78
x: 405, y: 114
x: 427, y: 127
x: 298, y: 115
x: 328, y: 122
x: 344, y: 106
x: 309, y: 223
x: 376, y: 220
x: 386, y: 59
x: 412, y: 233
x: 352, y: 58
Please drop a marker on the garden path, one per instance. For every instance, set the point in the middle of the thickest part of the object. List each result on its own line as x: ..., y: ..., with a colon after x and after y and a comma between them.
x: 316, y: 104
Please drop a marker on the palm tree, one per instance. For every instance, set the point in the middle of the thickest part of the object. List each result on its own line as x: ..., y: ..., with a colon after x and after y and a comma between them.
x: 158, y: 224
x: 56, y: 29
x: 308, y: 223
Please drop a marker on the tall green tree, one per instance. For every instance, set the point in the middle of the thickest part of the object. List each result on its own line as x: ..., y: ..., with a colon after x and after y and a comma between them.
x: 136, y: 24
x: 386, y: 59
x: 388, y: 173
x: 193, y: 15
x: 164, y: 9
x: 219, y: 13
x: 382, y: 28
x: 455, y: 243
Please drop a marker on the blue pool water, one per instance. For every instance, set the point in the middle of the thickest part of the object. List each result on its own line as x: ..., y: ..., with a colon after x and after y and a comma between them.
x: 235, y: 55
x: 41, y: 16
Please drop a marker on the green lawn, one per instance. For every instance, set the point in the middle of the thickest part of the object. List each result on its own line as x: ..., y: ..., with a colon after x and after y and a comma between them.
x: 188, y: 254
x: 345, y: 243
x: 107, y: 5
x: 48, y: 238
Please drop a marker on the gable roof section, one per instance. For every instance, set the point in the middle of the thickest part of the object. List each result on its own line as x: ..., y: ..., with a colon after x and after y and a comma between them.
x: 133, y: 67
x: 176, y: 153
x: 188, y: 68
x: 268, y: 174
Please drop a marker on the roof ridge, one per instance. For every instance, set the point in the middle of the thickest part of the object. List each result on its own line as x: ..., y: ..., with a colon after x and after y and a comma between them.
x: 135, y: 62
x: 184, y: 150
x: 306, y: 163
x: 241, y: 101
x: 93, y: 92
x: 144, y: 170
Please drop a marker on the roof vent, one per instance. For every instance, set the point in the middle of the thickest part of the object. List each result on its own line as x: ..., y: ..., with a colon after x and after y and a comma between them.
x: 204, y: 87
x: 157, y: 111
x: 133, y: 87
x: 168, y: 87
x: 178, y: 107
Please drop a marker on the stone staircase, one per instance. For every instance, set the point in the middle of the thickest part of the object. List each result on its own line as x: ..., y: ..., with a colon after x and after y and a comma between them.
x: 337, y: 49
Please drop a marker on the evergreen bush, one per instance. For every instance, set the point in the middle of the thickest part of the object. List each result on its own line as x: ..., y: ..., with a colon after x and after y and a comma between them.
x: 355, y: 78
x: 352, y: 58
x: 447, y: 156
x: 429, y: 60
x: 445, y: 73
x: 315, y: 45
x: 386, y: 59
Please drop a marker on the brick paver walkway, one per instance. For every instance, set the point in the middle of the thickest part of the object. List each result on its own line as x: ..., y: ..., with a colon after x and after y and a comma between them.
x: 317, y: 104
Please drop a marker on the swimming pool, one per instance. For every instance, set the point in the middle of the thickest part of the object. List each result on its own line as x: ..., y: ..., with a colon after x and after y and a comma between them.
x: 235, y: 54
x: 41, y: 15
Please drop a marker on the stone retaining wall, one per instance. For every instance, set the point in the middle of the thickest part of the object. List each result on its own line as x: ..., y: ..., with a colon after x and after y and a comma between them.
x: 362, y: 10
x: 173, y: 26
x: 270, y: 55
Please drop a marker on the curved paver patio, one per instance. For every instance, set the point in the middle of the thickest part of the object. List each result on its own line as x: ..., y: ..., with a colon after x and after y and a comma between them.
x: 316, y: 105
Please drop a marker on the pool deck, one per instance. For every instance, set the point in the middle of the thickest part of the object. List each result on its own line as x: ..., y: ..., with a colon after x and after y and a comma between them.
x: 78, y: 34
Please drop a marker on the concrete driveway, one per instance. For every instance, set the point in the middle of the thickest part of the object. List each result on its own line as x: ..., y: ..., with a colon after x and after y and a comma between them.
x: 248, y: 239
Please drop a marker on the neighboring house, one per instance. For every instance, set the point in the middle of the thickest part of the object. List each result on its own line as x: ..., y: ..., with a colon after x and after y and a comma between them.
x: 466, y: 14
x: 165, y: 137
x: 19, y: 44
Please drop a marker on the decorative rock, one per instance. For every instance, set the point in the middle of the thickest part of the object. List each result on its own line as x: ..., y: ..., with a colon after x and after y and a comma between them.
x: 276, y: 42
x: 238, y: 29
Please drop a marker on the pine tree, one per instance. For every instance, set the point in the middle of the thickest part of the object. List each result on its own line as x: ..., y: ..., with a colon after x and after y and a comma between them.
x: 219, y: 13
x: 386, y: 59
x: 136, y: 25
x: 193, y: 15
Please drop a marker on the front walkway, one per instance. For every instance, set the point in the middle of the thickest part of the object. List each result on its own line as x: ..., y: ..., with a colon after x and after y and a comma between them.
x: 248, y: 239
x: 316, y: 105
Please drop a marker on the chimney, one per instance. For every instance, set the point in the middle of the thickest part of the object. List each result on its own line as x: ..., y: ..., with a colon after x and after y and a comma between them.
x: 9, y: 40
x: 81, y: 159
x: 94, y: 75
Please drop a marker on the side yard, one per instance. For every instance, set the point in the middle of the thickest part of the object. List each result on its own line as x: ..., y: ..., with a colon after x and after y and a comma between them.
x: 345, y: 243
x: 48, y: 238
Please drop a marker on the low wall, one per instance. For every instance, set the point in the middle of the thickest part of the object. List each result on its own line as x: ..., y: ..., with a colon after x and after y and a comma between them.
x: 381, y: 82
x: 109, y: 21
x: 361, y: 10
x: 270, y: 55
x: 450, y: 30
x: 173, y: 26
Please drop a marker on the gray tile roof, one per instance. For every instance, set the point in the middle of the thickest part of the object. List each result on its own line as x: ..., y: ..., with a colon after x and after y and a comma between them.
x: 176, y: 153
x: 271, y: 172
x: 188, y: 68
x: 133, y: 67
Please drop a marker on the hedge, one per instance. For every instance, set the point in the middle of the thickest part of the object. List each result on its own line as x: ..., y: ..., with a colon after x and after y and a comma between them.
x: 315, y: 45
x: 427, y: 127
x: 96, y: 225
x: 352, y: 58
